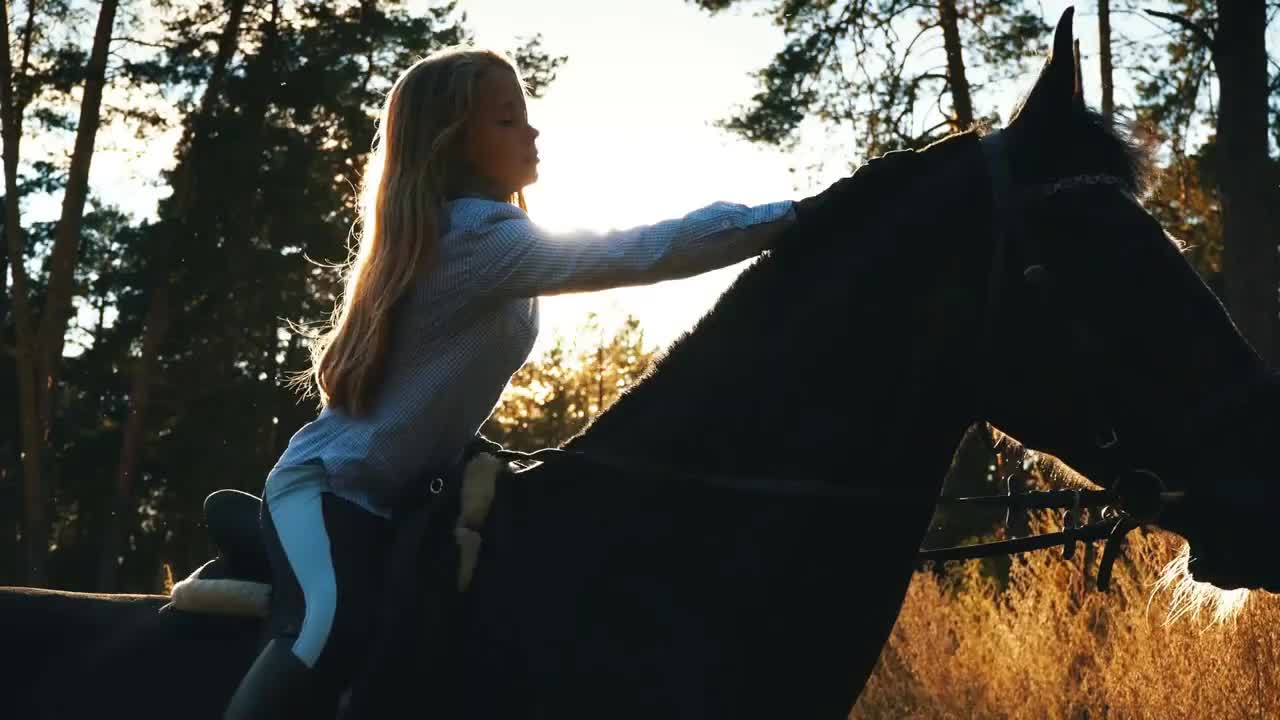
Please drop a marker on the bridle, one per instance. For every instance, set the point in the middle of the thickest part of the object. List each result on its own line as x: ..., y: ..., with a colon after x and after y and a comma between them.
x: 1134, y: 497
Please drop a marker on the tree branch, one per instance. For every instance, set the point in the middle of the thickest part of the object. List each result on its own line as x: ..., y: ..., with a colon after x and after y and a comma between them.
x: 132, y: 41
x: 1200, y: 32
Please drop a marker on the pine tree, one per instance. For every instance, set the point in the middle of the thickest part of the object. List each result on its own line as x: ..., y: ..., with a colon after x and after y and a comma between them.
x: 1226, y: 42
x: 863, y: 69
x: 40, y: 337
x: 553, y: 398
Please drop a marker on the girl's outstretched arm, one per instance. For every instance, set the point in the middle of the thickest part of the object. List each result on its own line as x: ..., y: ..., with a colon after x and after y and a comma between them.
x: 514, y: 257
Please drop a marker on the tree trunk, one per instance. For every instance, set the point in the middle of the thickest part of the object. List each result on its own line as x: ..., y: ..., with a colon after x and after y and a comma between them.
x: 261, y: 78
x: 4, y: 280
x: 66, y: 244
x: 158, y: 312
x: 1104, y: 58
x: 121, y: 505
x: 40, y: 348
x: 35, y: 547
x: 1250, y: 264
x: 959, y: 84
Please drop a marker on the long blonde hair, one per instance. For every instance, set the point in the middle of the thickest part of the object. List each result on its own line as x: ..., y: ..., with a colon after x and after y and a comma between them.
x: 416, y: 163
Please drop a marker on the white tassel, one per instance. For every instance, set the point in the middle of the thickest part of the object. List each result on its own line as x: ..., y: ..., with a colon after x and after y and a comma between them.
x: 479, y: 482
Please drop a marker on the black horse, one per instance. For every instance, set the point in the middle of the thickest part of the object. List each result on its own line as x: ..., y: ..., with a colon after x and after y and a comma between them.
x: 693, y: 593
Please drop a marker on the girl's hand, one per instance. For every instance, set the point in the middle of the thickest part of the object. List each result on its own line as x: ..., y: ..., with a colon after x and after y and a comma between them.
x: 864, y: 190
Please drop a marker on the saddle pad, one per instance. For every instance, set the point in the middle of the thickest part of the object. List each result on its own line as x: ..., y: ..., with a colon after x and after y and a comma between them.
x: 220, y: 596
x: 231, y: 596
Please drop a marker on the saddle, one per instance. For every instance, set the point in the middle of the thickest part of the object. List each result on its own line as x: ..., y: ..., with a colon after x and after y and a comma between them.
x: 237, y: 581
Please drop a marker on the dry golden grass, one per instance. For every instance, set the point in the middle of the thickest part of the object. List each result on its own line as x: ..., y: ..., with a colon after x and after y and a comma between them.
x: 1043, y: 648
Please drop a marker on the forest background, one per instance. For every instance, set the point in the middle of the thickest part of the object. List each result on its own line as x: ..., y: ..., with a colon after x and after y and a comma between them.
x: 143, y: 352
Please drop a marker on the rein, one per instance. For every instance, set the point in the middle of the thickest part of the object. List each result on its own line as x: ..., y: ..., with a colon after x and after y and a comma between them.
x: 1135, y: 496
x: 1124, y: 506
x: 1072, y: 500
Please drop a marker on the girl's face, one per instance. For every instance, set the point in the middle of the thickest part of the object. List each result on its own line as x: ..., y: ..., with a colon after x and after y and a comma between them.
x: 498, y: 140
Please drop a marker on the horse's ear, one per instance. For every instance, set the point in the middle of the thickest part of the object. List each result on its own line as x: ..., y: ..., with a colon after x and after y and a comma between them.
x: 1077, y: 96
x: 1056, y: 89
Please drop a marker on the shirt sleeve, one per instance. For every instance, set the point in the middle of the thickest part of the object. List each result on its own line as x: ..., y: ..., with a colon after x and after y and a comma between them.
x: 517, y: 258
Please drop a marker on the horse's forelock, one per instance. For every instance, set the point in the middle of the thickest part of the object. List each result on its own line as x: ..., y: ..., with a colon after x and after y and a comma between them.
x: 1080, y: 142
x: 1124, y: 156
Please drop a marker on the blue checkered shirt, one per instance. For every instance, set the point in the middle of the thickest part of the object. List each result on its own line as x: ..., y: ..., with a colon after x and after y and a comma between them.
x: 464, y: 328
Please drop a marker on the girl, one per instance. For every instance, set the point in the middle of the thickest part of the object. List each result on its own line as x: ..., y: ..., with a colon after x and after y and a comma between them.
x: 440, y: 309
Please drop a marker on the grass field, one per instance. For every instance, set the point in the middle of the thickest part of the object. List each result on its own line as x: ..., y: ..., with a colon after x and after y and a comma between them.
x: 1040, y: 647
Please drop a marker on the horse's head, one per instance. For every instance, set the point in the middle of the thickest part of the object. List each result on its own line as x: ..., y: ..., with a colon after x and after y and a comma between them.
x: 1115, y: 356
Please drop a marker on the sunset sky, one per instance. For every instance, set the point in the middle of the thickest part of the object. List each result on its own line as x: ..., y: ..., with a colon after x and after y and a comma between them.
x: 627, y: 135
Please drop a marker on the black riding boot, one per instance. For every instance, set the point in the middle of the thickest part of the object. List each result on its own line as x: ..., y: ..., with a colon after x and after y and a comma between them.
x: 279, y: 685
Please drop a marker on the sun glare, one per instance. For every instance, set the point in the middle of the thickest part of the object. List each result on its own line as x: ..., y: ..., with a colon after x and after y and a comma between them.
x: 597, y: 175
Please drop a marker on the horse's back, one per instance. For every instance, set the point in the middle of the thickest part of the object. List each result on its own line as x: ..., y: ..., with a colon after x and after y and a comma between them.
x: 40, y: 625
x: 639, y: 597
x: 70, y: 654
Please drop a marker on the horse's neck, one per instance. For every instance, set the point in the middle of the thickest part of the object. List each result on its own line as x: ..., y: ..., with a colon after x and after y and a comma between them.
x: 785, y: 375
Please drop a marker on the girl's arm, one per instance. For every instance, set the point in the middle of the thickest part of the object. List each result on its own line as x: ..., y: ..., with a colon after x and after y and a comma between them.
x: 520, y: 259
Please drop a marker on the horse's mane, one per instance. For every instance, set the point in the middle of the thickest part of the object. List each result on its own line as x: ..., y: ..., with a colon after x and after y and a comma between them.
x: 804, y: 265
x: 789, y: 270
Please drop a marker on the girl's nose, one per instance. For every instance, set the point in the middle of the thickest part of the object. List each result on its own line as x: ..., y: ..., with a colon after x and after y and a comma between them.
x: 533, y: 132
